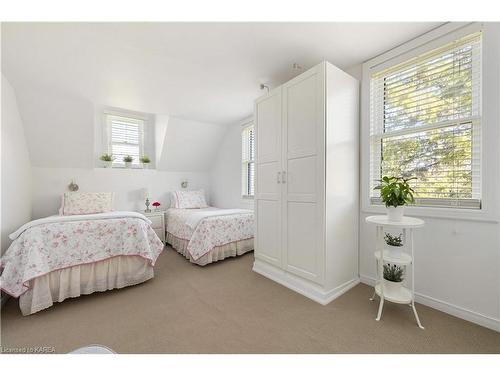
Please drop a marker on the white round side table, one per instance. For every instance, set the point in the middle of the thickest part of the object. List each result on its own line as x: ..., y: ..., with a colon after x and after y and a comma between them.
x: 404, y: 294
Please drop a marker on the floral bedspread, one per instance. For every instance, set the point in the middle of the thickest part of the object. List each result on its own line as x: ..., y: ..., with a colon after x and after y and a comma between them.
x: 44, y: 248
x: 210, y: 232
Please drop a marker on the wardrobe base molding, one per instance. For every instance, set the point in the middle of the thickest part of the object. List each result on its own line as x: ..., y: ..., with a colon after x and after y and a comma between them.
x: 305, y: 287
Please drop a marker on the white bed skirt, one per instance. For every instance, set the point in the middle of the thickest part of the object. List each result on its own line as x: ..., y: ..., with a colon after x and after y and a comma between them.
x: 56, y: 286
x: 217, y: 253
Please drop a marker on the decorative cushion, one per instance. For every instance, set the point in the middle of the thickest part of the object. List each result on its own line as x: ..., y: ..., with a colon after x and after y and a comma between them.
x: 86, y: 203
x: 189, y: 199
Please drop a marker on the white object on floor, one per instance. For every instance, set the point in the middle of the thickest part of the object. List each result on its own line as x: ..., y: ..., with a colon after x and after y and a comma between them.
x: 194, y: 219
x: 306, y: 195
x: 93, y: 349
x: 401, y: 293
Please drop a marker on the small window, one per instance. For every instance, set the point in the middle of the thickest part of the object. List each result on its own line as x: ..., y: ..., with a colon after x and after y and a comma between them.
x: 125, y: 137
x: 248, y: 160
x: 425, y: 123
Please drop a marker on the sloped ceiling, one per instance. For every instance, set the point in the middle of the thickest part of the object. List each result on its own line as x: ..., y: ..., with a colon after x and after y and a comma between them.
x: 206, y: 72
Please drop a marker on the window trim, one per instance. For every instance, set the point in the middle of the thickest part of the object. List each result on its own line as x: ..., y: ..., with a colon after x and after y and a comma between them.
x: 145, y: 147
x: 120, y: 163
x: 440, y: 36
x: 244, y: 189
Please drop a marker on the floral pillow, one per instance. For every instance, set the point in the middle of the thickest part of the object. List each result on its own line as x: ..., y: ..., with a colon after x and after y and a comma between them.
x: 189, y: 199
x: 86, y: 203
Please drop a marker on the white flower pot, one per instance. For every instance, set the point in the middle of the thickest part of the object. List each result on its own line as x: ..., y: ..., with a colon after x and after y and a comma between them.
x: 145, y: 165
x: 391, y: 287
x: 395, y: 213
x: 394, y: 251
x: 107, y: 164
x: 128, y: 164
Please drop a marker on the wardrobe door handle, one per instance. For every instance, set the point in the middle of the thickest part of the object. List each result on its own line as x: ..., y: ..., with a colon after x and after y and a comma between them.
x: 283, y: 177
x: 278, y: 178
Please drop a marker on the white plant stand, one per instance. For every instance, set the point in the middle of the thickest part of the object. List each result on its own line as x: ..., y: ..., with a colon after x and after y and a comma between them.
x: 404, y: 294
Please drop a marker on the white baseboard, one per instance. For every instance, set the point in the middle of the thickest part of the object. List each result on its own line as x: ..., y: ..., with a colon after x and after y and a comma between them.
x: 449, y: 308
x: 302, y: 286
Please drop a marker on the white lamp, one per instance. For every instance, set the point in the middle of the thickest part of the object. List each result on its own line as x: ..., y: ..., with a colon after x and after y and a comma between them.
x: 145, y: 193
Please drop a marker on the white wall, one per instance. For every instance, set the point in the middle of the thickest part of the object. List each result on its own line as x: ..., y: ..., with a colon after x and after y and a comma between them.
x: 225, y: 175
x: 127, y: 184
x: 59, y: 127
x: 16, y: 167
x: 190, y: 145
x: 457, y: 253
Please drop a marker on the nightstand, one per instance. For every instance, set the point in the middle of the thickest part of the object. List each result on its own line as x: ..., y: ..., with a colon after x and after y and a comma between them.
x: 157, y: 222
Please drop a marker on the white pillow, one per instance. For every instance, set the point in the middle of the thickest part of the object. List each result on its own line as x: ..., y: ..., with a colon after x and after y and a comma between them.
x: 189, y: 199
x: 86, y: 203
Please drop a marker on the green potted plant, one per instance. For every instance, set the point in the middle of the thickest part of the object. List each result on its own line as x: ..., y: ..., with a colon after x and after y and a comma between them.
x: 107, y: 160
x: 128, y: 160
x: 393, y: 278
x: 395, y: 193
x: 145, y: 160
x: 393, y: 243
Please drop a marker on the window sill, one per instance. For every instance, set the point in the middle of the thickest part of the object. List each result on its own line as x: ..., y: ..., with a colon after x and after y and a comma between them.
x: 249, y: 197
x: 438, y: 212
x: 123, y: 167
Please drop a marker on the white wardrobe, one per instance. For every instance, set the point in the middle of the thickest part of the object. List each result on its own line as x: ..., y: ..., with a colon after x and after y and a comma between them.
x: 306, y: 187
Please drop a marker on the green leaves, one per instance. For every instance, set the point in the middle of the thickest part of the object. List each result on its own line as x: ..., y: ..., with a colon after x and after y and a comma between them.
x: 393, y: 273
x: 395, y: 191
x: 107, y: 157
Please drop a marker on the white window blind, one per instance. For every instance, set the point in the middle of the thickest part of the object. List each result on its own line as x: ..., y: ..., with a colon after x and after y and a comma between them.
x: 125, y: 137
x: 425, y: 122
x: 248, y: 160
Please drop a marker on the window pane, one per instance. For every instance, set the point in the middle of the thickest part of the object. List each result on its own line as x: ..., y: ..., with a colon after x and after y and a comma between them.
x: 425, y: 124
x: 126, y: 137
x: 248, y: 157
x: 440, y: 159
x: 251, y: 176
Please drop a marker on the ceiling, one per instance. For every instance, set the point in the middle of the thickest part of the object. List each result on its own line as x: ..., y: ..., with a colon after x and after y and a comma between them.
x: 207, y: 72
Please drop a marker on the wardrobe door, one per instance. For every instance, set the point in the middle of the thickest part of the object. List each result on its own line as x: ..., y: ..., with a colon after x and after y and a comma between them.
x: 303, y: 180
x: 268, y: 178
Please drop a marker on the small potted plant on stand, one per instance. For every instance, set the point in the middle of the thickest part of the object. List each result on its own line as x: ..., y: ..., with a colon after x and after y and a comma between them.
x: 395, y: 193
x: 128, y: 161
x: 393, y: 244
x: 156, y: 205
x: 145, y: 160
x: 393, y: 278
x: 107, y: 160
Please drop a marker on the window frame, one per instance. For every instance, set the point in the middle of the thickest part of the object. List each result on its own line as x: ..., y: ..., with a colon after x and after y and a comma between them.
x: 434, y: 39
x: 378, y: 125
x: 245, y: 164
x: 145, y: 143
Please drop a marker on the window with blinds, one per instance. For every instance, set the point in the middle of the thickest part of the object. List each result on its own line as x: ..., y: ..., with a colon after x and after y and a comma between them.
x: 425, y: 122
x: 248, y: 160
x: 125, y: 137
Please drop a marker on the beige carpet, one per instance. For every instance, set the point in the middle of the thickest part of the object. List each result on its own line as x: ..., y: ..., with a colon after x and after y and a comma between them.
x: 227, y: 308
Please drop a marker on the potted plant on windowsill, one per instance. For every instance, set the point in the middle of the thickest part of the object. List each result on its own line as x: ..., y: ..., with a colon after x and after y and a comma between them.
x: 145, y: 160
x: 396, y: 193
x: 393, y: 278
x: 128, y: 161
x: 107, y: 160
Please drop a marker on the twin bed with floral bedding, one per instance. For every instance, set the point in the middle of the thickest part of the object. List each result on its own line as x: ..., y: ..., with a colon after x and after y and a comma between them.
x: 206, y: 234
x: 90, y: 248
x: 82, y: 251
